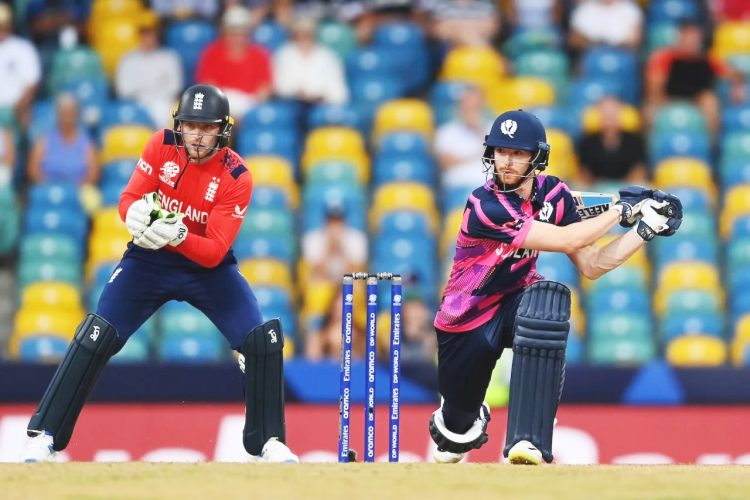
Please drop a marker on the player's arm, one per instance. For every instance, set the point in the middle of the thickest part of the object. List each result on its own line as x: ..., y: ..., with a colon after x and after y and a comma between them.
x: 222, y: 227
x: 593, y: 261
x: 571, y: 238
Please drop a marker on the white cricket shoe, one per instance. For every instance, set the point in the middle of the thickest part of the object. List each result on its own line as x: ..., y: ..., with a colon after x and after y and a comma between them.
x: 39, y: 448
x: 274, y: 451
x: 524, y: 453
x: 447, y: 457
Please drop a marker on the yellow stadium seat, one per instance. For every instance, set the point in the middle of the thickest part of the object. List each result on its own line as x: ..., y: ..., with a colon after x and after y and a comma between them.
x: 275, y: 172
x: 697, y: 350
x: 630, y: 118
x: 48, y: 295
x: 317, y: 298
x: 741, y: 339
x: 482, y: 66
x: 577, y: 316
x: 107, y: 221
x: 684, y: 172
x: 736, y: 203
x: 125, y: 141
x: 62, y: 323
x: 412, y: 115
x: 689, y: 274
x: 411, y: 196
x: 731, y: 38
x: 101, y: 9
x: 336, y: 143
x: 520, y: 92
x: 113, y: 38
x: 105, y: 248
x: 451, y: 225
x: 269, y: 272
x: 563, y: 162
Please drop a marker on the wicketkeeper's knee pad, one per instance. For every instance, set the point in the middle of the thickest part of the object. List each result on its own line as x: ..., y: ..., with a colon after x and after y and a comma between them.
x: 473, y: 439
x: 538, y: 371
x: 264, y: 386
x: 94, y: 343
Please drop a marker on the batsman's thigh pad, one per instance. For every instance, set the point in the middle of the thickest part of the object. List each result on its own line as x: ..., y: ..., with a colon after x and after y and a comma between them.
x: 538, y: 371
x: 94, y: 343
x: 264, y: 386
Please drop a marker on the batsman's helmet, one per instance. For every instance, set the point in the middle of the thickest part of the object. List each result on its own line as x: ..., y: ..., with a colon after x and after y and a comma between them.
x: 206, y: 104
x: 517, y: 129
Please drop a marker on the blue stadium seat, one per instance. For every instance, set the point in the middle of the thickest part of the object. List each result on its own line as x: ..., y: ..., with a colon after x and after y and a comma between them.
x: 738, y: 279
x: 406, y: 44
x: 404, y: 167
x: 404, y: 143
x: 192, y: 349
x: 683, y: 248
x: 269, y: 222
x: 444, y: 97
x: 117, y: 172
x: 273, y: 114
x: 613, y: 63
x: 40, y: 348
x: 369, y: 92
x: 270, y: 35
x: 673, y: 326
x: 575, y: 351
x: 136, y: 350
x: 739, y: 304
x: 264, y: 246
x: 734, y: 173
x: 316, y: 197
x: 93, y: 98
x: 741, y: 227
x: 693, y: 200
x: 620, y: 324
x: 188, y: 38
x: 735, y: 118
x: 43, y: 118
x: 586, y: 91
x: 691, y: 144
x: 454, y: 198
x: 699, y: 225
x: 405, y: 223
x: 55, y: 195
x: 278, y: 142
x: 620, y: 299
x: 559, y: 117
x: 324, y: 115
x: 370, y: 62
x: 54, y: 220
x: 557, y: 267
x: 269, y: 197
x: 71, y: 65
x: 671, y: 11
x: 272, y: 297
x: 121, y: 112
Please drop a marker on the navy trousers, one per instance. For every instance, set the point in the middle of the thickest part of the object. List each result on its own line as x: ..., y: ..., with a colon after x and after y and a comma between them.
x: 145, y: 279
x: 466, y: 361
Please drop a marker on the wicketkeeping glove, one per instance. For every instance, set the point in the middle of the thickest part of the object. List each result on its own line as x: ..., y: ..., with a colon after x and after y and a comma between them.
x: 169, y: 230
x: 142, y: 213
x: 651, y: 222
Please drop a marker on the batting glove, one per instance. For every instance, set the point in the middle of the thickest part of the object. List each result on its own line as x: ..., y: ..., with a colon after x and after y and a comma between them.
x: 141, y: 214
x: 673, y: 210
x: 633, y: 196
x: 652, y: 222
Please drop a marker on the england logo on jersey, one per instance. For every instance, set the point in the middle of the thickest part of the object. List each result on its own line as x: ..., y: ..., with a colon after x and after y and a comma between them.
x: 211, y: 190
x: 168, y: 173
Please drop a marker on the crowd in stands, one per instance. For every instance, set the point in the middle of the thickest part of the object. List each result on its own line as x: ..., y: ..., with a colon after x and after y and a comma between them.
x: 362, y: 123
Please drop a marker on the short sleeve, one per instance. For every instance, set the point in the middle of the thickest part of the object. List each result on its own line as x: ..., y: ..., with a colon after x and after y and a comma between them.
x: 490, y: 219
x: 570, y: 213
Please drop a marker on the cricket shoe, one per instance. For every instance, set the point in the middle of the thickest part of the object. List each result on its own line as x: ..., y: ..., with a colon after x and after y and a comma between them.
x: 39, y: 448
x: 447, y: 457
x: 524, y: 453
x: 274, y: 451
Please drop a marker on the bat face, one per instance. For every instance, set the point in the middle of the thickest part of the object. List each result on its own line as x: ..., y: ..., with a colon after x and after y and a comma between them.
x: 590, y: 204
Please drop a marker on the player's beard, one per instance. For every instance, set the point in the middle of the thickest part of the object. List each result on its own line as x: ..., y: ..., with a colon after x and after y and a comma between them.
x: 202, y: 153
x: 509, y: 181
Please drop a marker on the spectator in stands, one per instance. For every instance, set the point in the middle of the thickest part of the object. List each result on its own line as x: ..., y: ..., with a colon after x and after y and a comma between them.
x: 537, y: 14
x: 685, y: 71
x: 458, y: 143
x: 730, y: 10
x: 465, y: 22
x: 335, y: 248
x: 47, y: 18
x: 419, y: 341
x: 308, y: 71
x: 7, y: 156
x: 21, y: 69
x: 150, y: 75
x: 325, y: 342
x: 612, y: 153
x: 614, y: 23
x: 66, y: 153
x: 241, y: 68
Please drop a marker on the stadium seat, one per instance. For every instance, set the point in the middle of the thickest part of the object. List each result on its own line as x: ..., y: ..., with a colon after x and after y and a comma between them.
x: 264, y: 141
x: 404, y: 168
x: 630, y: 119
x: 33, y: 271
x: 72, y: 65
x: 412, y: 143
x: 684, y: 172
x: 402, y: 196
x: 55, y: 322
x: 730, y: 38
x: 671, y: 12
x: 734, y: 173
x: 192, y: 349
x: 336, y: 143
x: 563, y: 161
x: 58, y: 195
x: 410, y: 115
x: 269, y: 197
x: 180, y: 319
x: 333, y: 115
x: 684, y: 248
x: 39, y: 348
x: 270, y: 35
x: 112, y: 38
x: 740, y: 340
x: 557, y: 267
x: 619, y: 324
x: 612, y: 351
x: 680, y: 143
x: 135, y: 350
x: 687, y: 323
x: 696, y: 351
x: 610, y: 62
x: 521, y: 92
x: 737, y: 252
x: 558, y: 117
x: 107, y: 221
x: 117, y: 173
x: 444, y: 97
x: 337, y: 36
x: 406, y: 223
x: 248, y: 245
x: 547, y: 64
x: 267, y: 272
x: 188, y: 37
x: 586, y: 91
x: 124, y: 141
x: 620, y: 299
x: 482, y: 66
x: 124, y: 113
x: 334, y: 172
x: 661, y: 35
x: 268, y: 222
x: 682, y: 275
x: 272, y: 114
x: 735, y: 146
x: 627, y: 275
x: 47, y: 296
x: 679, y: 116
x: 736, y: 204
x: 52, y: 246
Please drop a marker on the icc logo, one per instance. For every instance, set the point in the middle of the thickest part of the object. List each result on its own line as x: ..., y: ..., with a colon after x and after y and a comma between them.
x: 372, y: 298
x: 349, y: 298
x: 397, y: 299
x: 509, y: 127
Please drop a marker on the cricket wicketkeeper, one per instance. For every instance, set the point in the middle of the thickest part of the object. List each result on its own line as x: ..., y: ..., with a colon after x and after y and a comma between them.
x: 183, y: 205
x: 495, y: 299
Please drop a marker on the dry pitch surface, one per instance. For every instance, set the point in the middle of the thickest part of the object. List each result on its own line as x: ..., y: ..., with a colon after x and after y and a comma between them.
x: 354, y: 481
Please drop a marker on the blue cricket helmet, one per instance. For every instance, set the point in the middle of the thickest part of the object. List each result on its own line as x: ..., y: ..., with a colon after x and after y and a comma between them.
x: 517, y: 129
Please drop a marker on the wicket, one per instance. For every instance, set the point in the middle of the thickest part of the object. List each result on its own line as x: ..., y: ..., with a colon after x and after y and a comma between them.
x: 370, y: 357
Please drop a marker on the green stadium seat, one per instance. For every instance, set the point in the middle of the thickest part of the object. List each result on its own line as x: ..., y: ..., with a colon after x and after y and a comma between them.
x: 621, y: 351
x: 619, y: 324
x: 183, y: 319
x: 53, y: 247
x: 625, y: 276
x: 332, y: 172
x: 38, y: 270
x: 679, y: 116
x: 338, y: 37
x: 682, y: 302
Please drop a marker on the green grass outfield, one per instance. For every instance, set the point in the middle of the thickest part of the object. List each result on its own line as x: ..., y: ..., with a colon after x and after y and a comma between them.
x: 216, y: 481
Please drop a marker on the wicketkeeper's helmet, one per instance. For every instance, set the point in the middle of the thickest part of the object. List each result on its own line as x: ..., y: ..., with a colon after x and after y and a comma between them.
x: 205, y: 104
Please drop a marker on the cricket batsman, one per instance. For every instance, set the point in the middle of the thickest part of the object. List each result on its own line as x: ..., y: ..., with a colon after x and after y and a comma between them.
x: 183, y: 205
x: 495, y: 299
